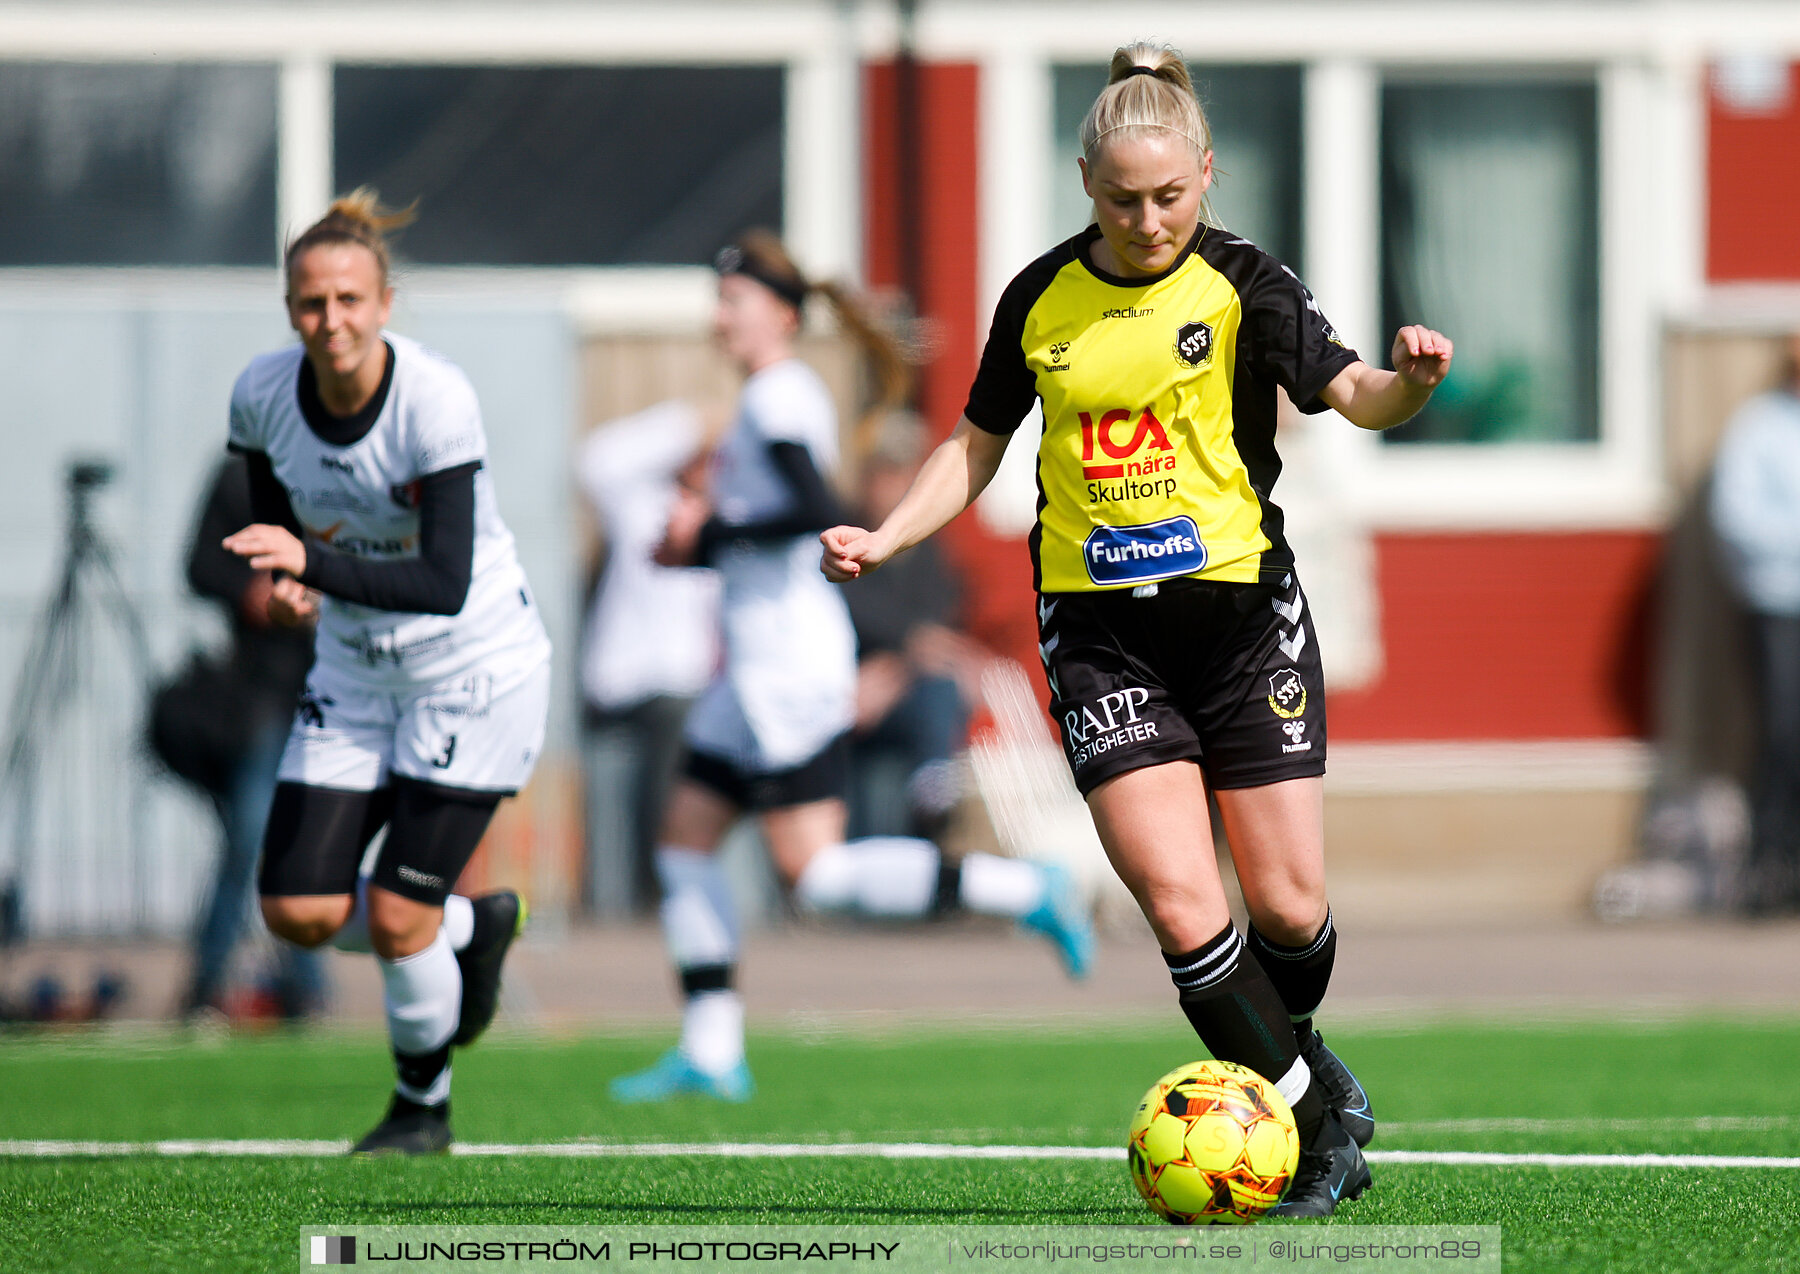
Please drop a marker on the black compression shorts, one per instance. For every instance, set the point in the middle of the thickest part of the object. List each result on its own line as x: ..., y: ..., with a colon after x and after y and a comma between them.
x: 1227, y: 675
x: 825, y: 776
x: 317, y: 837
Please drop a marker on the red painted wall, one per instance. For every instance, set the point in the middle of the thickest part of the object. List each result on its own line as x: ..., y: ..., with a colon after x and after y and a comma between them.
x: 1508, y: 636
x: 1753, y: 190
x: 996, y: 572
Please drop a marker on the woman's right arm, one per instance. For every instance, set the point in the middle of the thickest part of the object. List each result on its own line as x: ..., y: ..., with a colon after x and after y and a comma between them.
x: 948, y: 482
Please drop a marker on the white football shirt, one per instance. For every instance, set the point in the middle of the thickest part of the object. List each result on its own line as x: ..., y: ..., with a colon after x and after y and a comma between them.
x: 789, y: 683
x: 362, y: 499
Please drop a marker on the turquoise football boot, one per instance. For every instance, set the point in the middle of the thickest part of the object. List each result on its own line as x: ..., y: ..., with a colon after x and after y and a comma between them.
x: 673, y: 1075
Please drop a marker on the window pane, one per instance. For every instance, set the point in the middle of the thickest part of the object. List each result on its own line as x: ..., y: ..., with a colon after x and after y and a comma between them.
x: 136, y: 165
x: 1489, y: 210
x: 566, y: 166
x: 1254, y: 112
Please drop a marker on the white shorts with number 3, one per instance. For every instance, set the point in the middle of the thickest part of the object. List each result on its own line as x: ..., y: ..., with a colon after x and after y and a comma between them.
x: 474, y: 731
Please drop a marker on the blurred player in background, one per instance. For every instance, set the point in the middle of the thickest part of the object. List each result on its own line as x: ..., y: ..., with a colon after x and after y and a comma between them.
x: 428, y: 695
x: 916, y: 674
x: 648, y: 648
x: 768, y: 735
x: 1755, y: 511
x: 1176, y: 638
x: 264, y: 675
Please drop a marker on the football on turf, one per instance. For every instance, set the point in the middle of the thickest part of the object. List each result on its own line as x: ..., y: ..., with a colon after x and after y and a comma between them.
x: 1213, y: 1143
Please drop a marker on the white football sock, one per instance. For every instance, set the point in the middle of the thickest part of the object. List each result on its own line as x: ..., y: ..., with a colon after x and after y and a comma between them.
x: 873, y: 876
x: 712, y: 1031
x: 699, y: 919
x: 424, y: 999
x: 997, y: 886
x: 459, y: 921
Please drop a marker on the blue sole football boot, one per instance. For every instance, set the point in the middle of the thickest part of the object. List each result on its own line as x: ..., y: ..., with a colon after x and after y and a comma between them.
x: 1063, y: 918
x: 673, y: 1075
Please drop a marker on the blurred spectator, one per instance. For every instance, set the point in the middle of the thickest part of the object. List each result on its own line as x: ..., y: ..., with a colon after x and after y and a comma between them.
x: 222, y: 724
x: 649, y: 647
x: 1756, y: 513
x: 916, y: 675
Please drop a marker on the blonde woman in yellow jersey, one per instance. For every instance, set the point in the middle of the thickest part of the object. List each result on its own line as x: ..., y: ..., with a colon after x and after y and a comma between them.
x: 1176, y: 639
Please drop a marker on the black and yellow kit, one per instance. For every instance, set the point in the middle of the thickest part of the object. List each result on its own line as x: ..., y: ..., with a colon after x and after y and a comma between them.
x: 1158, y: 453
x: 1170, y: 621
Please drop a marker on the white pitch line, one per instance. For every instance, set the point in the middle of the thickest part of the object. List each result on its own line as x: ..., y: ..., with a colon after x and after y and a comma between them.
x: 1489, y: 1159
x: 1676, y: 1123
x: 877, y: 1150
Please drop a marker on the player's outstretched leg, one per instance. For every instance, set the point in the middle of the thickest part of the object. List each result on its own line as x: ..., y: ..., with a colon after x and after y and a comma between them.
x: 903, y: 876
x: 700, y: 926
x: 1301, y: 975
x: 499, y: 917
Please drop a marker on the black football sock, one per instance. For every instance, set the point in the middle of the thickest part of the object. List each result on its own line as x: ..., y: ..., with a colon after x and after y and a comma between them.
x: 1300, y: 974
x: 697, y: 979
x: 1240, y: 1017
x: 946, y: 898
x: 418, y: 1074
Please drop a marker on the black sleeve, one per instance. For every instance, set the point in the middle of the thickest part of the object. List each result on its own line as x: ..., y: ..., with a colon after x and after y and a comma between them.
x: 436, y: 582
x: 212, y: 571
x: 813, y: 507
x: 1005, y: 385
x: 1291, y: 342
x: 269, y: 504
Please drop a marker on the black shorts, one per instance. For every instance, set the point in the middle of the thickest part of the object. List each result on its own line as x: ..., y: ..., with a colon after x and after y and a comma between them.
x: 317, y: 835
x: 826, y: 775
x: 1224, y: 674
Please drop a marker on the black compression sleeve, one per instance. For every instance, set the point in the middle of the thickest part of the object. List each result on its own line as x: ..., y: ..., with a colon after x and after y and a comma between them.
x: 213, y: 571
x: 436, y: 582
x: 813, y: 507
x: 269, y: 503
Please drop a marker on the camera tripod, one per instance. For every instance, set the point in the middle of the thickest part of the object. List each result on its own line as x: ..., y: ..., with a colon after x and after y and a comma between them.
x: 60, y: 663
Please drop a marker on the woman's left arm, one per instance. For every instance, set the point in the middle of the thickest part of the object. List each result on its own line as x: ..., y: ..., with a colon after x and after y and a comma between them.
x: 1376, y: 399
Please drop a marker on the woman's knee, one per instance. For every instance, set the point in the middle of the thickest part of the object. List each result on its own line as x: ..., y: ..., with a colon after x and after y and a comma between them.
x: 1289, y: 914
x: 308, y: 921
x: 400, y: 926
x: 1181, y: 917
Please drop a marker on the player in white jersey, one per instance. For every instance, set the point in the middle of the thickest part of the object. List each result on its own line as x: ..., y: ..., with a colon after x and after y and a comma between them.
x: 769, y: 734
x: 431, y: 682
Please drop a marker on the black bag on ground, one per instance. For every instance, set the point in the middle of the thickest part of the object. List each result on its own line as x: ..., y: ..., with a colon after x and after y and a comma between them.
x: 201, y: 721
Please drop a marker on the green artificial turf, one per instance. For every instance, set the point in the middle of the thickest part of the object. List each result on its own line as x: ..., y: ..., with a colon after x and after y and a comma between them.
x: 1710, y: 1088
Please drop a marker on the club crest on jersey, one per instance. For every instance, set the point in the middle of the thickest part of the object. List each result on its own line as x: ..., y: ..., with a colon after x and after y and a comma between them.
x: 1287, y: 695
x: 1138, y: 554
x: 1194, y: 344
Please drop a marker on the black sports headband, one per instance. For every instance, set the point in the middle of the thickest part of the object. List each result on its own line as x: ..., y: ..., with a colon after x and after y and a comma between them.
x: 732, y: 259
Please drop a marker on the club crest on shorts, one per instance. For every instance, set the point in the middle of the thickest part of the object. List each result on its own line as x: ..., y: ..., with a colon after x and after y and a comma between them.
x: 1194, y: 344
x: 1287, y: 694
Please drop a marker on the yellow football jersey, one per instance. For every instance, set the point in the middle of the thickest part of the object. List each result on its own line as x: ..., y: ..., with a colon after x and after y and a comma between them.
x: 1158, y: 453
